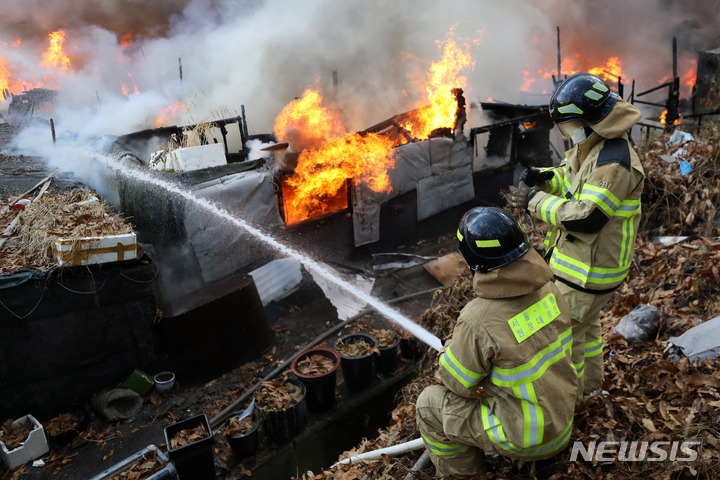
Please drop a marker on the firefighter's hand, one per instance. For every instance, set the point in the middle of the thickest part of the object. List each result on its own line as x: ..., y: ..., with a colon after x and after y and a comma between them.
x: 533, y: 176
x: 520, y: 195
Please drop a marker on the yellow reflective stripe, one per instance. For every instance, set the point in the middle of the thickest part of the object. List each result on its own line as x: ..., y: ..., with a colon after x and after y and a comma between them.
x: 602, y: 197
x: 586, y: 274
x: 487, y: 243
x: 444, y: 449
x: 548, y: 209
x: 460, y: 236
x: 629, y: 208
x: 593, y: 348
x: 466, y: 377
x: 533, y: 418
x: 533, y: 318
x: 533, y: 369
x: 495, y: 432
x: 580, y: 368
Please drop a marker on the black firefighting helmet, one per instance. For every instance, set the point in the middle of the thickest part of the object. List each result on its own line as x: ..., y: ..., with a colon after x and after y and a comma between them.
x: 583, y: 96
x: 489, y: 237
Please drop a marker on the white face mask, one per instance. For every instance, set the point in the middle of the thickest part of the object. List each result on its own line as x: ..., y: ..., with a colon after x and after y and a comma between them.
x: 578, y: 136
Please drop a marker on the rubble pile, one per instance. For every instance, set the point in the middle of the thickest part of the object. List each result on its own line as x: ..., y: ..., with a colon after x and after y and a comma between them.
x: 648, y: 395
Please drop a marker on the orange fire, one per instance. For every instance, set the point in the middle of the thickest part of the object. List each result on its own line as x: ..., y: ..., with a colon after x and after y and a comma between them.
x: 610, y: 71
x: 54, y: 57
x: 169, y: 115
x: 329, y: 158
x: 443, y: 77
x: 663, y: 117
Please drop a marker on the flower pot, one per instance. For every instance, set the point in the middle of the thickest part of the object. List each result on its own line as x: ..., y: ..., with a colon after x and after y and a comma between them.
x: 195, y: 460
x: 164, y: 381
x: 358, y: 371
x: 282, y: 424
x: 320, y: 386
x: 245, y: 445
x: 386, y: 361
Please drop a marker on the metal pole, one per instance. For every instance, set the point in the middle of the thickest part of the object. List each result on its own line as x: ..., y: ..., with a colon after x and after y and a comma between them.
x: 52, y: 129
x: 559, y: 56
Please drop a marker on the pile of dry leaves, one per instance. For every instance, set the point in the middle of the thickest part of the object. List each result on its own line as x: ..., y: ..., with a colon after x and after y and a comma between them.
x: 73, y: 214
x: 646, y: 396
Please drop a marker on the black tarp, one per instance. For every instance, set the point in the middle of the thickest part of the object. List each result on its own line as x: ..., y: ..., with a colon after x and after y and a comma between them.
x: 71, y: 332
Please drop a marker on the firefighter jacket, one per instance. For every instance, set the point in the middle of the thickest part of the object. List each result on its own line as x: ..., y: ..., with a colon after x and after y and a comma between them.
x: 593, y: 203
x: 514, y: 340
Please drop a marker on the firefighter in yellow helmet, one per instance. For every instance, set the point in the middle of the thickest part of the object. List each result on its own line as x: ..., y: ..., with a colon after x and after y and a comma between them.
x: 508, y: 385
x: 592, y: 201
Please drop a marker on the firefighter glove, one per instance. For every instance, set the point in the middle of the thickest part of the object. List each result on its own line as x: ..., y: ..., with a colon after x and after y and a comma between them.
x: 533, y: 176
x: 521, y: 195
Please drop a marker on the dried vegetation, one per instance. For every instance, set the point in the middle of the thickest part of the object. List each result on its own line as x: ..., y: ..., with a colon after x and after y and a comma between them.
x: 73, y: 214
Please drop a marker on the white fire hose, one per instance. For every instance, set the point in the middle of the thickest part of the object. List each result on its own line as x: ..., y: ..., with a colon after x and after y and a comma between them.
x: 392, y: 450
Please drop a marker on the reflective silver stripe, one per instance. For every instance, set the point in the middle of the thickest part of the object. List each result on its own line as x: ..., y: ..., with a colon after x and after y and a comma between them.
x: 602, y: 197
x: 458, y: 371
x: 533, y: 414
x: 541, y: 363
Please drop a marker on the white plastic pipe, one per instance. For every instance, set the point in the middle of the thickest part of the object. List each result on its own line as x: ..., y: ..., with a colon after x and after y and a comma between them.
x: 392, y: 450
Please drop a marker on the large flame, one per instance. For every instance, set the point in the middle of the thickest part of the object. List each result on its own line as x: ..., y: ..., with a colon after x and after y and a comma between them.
x: 329, y: 158
x: 54, y: 56
x: 442, y: 78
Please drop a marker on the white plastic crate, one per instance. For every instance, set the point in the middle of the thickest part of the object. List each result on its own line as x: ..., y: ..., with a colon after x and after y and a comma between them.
x: 33, y: 447
x: 92, y: 250
x: 166, y: 473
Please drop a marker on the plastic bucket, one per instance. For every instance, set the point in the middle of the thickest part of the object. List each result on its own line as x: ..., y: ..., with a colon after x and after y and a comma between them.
x: 245, y: 445
x: 320, y: 388
x: 358, y: 372
x: 283, y: 424
x: 194, y: 461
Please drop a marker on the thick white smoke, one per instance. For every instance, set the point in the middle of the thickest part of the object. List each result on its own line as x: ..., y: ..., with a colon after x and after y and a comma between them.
x: 262, y: 54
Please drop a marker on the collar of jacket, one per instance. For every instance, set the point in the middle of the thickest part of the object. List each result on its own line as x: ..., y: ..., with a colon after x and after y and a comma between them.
x: 621, y: 118
x: 525, y: 275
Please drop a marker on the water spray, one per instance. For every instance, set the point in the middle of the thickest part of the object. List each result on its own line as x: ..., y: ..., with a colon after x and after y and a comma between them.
x: 311, y: 265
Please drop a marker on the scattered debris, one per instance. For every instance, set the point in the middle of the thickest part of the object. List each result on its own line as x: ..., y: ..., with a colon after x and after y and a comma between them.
x: 639, y: 325
x: 700, y: 342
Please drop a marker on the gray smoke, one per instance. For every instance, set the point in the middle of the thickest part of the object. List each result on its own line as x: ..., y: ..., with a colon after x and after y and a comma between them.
x: 262, y: 54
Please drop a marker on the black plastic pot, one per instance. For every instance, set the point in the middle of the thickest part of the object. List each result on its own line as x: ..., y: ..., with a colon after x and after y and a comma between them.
x: 358, y: 372
x: 320, y: 388
x: 195, y: 461
x: 283, y: 424
x: 245, y: 445
x: 387, y: 360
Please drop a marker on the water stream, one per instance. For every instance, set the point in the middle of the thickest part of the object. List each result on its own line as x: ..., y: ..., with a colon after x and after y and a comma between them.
x: 311, y: 265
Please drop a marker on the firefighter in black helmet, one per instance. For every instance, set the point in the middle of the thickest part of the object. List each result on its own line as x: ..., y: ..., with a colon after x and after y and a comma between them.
x: 508, y: 385
x: 592, y: 201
